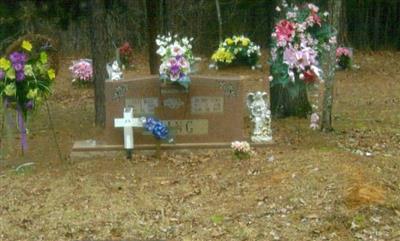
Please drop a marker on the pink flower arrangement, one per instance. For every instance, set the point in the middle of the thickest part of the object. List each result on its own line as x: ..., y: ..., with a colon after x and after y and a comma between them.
x: 298, y: 41
x: 241, y: 149
x: 341, y: 51
x: 297, y: 46
x: 82, y: 70
x: 344, y: 57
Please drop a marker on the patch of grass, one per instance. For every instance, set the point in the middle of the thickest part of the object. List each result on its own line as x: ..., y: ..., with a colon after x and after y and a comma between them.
x: 217, y: 219
x: 360, y: 220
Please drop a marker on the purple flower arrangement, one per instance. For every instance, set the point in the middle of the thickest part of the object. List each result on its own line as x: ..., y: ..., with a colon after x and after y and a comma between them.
x: 25, y: 82
x: 176, y: 69
x: 177, y: 57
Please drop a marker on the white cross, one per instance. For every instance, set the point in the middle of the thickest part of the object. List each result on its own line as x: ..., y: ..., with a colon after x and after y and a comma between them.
x: 128, y: 122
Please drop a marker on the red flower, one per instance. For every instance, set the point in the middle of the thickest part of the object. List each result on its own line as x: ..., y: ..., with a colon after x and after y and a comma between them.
x: 284, y: 30
x: 309, y: 76
x: 125, y: 49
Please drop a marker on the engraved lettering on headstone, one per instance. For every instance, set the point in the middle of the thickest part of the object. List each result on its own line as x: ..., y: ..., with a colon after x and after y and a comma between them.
x: 142, y: 106
x: 186, y: 127
x: 228, y: 88
x: 119, y: 92
x: 173, y: 103
x: 207, y: 104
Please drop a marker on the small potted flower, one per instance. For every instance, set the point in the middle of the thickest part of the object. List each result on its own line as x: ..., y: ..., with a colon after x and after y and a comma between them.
x: 241, y: 149
x: 126, y: 55
x: 344, y: 57
x: 237, y: 50
x: 82, y: 71
x: 177, y: 58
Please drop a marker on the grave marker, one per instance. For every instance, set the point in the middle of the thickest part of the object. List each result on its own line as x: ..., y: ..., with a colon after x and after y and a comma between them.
x: 128, y: 123
x: 210, y: 114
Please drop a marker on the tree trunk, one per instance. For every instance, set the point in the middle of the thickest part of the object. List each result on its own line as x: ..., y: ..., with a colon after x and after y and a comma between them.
x: 164, y: 17
x: 329, y: 65
x: 343, y: 33
x: 283, y: 105
x: 219, y: 20
x: 98, y: 42
x: 377, y: 26
x: 152, y: 27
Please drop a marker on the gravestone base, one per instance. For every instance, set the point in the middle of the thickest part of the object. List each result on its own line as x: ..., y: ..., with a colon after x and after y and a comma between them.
x: 90, y: 149
x: 83, y: 146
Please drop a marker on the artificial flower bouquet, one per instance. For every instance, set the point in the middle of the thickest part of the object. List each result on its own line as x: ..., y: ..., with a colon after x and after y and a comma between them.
x: 82, y: 71
x: 241, y: 149
x: 237, y: 50
x: 297, y: 44
x: 301, y: 36
x: 156, y: 127
x: 126, y: 55
x: 25, y: 81
x: 344, y: 57
x: 25, y: 78
x: 177, y: 58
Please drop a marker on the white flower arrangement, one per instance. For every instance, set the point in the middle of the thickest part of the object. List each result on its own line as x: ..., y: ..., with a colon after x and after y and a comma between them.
x: 177, y: 58
x: 172, y: 46
x: 241, y: 149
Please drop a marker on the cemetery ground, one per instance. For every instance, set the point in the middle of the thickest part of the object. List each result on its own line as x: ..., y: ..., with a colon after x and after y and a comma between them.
x: 308, y: 185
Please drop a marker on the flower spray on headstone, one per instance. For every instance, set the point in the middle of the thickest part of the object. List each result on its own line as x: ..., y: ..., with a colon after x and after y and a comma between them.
x: 159, y: 130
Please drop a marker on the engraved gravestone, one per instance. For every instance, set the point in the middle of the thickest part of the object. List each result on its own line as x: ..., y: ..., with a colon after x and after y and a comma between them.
x: 210, y: 112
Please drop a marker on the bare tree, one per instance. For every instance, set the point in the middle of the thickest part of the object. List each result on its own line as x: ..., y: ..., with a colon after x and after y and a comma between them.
x: 329, y: 69
x: 98, y: 43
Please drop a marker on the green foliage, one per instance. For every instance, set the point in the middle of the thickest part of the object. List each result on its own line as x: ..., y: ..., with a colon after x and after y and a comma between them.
x: 217, y: 219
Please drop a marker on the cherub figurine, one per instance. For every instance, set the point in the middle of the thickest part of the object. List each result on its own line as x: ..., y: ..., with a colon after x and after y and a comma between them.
x: 261, y: 116
x: 114, y: 71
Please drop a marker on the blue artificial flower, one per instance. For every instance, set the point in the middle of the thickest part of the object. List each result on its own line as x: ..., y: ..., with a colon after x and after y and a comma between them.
x: 150, y: 123
x: 160, y: 131
x: 157, y: 128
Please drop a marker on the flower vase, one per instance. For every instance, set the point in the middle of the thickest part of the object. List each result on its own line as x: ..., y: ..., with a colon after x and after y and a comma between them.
x: 172, y: 86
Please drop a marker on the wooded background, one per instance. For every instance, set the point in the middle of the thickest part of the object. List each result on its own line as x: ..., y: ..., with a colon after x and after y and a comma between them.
x: 365, y: 24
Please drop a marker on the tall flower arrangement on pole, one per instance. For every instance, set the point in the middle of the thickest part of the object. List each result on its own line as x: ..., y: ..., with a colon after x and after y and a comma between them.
x: 25, y: 82
x: 177, y: 58
x: 300, y: 37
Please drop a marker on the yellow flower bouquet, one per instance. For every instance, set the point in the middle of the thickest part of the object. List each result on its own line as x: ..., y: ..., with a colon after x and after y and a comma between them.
x: 237, y: 50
